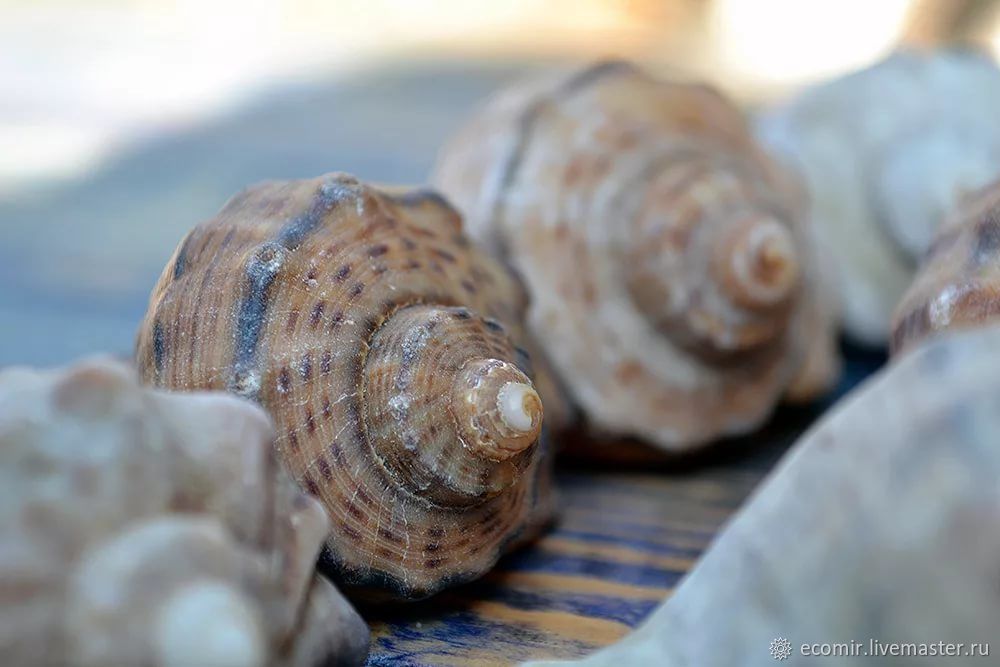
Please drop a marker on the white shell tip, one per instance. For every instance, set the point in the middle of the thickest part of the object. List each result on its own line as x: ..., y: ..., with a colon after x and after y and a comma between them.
x: 514, y: 400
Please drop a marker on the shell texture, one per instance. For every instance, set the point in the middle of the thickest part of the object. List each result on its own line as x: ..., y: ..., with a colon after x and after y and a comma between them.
x: 142, y: 528
x: 672, y: 283
x: 880, y: 523
x: 886, y: 153
x: 387, y: 351
x: 958, y: 284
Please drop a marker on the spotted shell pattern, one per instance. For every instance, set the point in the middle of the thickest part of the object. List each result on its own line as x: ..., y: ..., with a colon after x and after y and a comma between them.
x: 958, y: 284
x: 144, y: 528
x: 387, y: 351
x: 673, y: 285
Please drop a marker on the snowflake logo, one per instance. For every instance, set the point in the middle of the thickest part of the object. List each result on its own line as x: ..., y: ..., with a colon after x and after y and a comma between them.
x: 781, y: 648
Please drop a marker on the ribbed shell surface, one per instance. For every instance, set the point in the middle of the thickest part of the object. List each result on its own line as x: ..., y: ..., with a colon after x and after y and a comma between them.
x: 574, y: 180
x: 279, y: 298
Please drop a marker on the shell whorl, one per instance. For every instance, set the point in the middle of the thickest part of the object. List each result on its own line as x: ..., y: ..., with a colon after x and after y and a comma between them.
x: 664, y: 253
x: 364, y: 322
x: 432, y: 383
x: 710, y: 262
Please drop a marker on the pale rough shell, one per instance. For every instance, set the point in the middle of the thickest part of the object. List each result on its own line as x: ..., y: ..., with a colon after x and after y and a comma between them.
x: 880, y: 523
x: 886, y: 152
x: 578, y: 181
x: 124, y: 511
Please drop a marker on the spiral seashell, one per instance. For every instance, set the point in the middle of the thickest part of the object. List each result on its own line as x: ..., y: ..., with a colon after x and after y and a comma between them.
x: 958, y: 285
x: 142, y: 528
x: 879, y: 525
x: 672, y: 283
x: 886, y: 153
x: 386, y: 349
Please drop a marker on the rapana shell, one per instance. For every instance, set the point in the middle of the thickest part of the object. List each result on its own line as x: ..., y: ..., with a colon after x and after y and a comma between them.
x: 673, y: 285
x: 388, y: 352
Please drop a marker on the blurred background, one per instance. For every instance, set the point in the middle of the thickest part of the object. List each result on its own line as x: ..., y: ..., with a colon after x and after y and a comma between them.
x: 125, y: 122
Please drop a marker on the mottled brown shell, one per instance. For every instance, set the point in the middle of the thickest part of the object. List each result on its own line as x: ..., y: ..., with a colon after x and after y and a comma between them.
x: 673, y: 284
x: 958, y: 284
x: 386, y: 349
x: 139, y: 527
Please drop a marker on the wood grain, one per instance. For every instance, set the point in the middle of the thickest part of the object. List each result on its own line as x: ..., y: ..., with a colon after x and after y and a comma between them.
x: 623, y: 541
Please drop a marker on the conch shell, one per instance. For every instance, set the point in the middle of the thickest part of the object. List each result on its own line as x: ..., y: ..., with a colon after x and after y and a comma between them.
x: 958, y: 285
x: 387, y: 351
x: 879, y: 525
x: 673, y: 286
x: 143, y: 528
x: 886, y: 153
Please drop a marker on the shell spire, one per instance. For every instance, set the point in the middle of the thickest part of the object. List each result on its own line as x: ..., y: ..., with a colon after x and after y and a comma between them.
x: 673, y: 283
x: 388, y: 351
x: 432, y: 412
x: 737, y: 297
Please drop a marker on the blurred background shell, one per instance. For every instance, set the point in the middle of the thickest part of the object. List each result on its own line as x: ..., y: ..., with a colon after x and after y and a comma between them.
x: 674, y: 285
x: 958, y: 285
x: 139, y: 527
x: 386, y: 349
x: 887, y: 152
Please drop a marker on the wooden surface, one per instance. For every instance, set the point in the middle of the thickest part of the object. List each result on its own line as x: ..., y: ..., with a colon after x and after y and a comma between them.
x: 77, y: 262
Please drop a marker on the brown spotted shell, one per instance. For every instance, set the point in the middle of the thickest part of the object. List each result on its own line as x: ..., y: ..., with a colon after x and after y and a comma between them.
x: 385, y: 348
x: 673, y: 284
x: 144, y: 528
x: 958, y: 284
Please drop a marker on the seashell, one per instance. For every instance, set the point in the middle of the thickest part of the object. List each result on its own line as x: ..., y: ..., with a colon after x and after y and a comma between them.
x: 879, y: 524
x: 886, y: 152
x: 387, y: 351
x: 958, y: 285
x: 142, y: 528
x: 671, y: 280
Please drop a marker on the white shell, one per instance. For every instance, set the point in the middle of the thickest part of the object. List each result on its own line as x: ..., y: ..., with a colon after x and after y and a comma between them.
x: 885, y: 152
x: 144, y: 528
x: 880, y: 523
